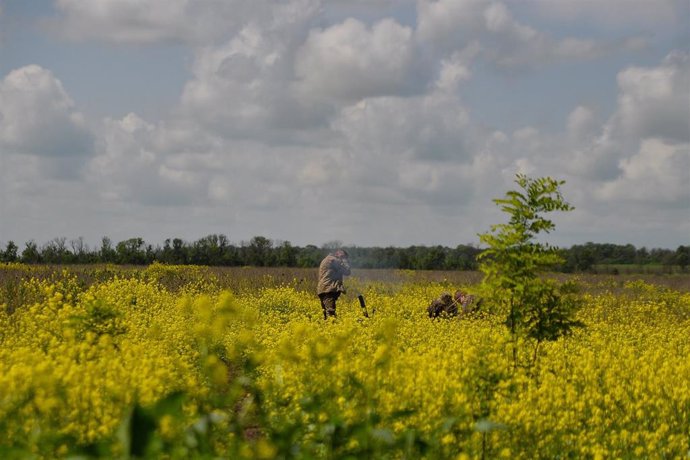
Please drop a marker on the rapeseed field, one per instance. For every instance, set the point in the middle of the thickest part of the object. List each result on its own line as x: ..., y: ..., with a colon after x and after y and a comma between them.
x: 127, y: 366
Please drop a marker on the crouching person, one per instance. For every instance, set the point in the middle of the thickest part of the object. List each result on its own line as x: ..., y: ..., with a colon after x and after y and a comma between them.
x: 466, y: 302
x: 444, y: 305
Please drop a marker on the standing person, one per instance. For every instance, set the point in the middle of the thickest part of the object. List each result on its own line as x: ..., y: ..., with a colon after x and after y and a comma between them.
x: 331, y: 272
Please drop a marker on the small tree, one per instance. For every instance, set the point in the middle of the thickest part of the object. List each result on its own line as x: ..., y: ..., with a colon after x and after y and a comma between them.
x: 10, y: 253
x: 260, y: 252
x: 107, y: 253
x: 31, y: 254
x: 131, y: 251
x: 681, y: 256
x: 536, y: 308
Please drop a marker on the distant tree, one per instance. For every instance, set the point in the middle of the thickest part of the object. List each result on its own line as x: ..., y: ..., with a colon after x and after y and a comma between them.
x: 388, y: 257
x: 404, y: 261
x: 150, y: 254
x: 217, y: 250
x: 259, y: 252
x: 682, y: 257
x: 642, y: 256
x: 205, y: 251
x: 661, y: 256
x: 179, y: 252
x: 230, y: 252
x: 80, y: 250
x: 310, y: 256
x: 434, y: 258
x: 463, y: 257
x: 55, y: 251
x: 132, y: 251
x: 332, y: 245
x: 31, y: 254
x: 10, y: 252
x: 668, y: 260
x: 286, y: 255
x: 627, y: 254
x: 579, y: 258
x: 106, y: 253
x: 165, y: 254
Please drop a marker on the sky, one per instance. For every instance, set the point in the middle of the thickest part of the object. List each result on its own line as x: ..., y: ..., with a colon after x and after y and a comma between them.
x: 371, y: 123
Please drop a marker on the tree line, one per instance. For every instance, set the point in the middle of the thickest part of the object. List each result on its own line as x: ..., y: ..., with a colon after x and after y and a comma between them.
x: 217, y: 250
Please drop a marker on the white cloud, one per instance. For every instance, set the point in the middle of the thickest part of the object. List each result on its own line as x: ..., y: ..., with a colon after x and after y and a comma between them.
x: 599, y: 159
x: 659, y: 174
x: 655, y: 102
x: 621, y: 13
x: 321, y: 170
x: 177, y: 165
x: 231, y: 80
x: 38, y: 117
x: 353, y: 61
x: 150, y: 21
x: 512, y: 44
x: 505, y: 42
x: 242, y: 87
x: 276, y: 83
x: 130, y: 169
x: 637, y: 169
x: 457, y: 69
x: 291, y: 111
x: 423, y: 150
x: 582, y: 125
x: 196, y: 22
x: 433, y: 127
x: 450, y: 24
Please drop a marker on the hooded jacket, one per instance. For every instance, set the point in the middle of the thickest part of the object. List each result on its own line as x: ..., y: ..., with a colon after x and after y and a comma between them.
x: 331, y: 273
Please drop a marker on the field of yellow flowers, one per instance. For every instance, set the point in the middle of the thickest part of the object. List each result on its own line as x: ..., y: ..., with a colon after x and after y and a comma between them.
x: 166, y: 362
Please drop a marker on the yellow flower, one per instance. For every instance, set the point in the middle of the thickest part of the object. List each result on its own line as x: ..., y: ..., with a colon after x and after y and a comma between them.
x: 265, y: 449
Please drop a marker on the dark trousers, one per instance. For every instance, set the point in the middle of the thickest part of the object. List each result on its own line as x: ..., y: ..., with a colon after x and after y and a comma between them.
x: 328, y: 303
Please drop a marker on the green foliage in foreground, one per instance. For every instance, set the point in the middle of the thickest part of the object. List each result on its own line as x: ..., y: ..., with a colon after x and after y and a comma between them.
x: 535, y: 307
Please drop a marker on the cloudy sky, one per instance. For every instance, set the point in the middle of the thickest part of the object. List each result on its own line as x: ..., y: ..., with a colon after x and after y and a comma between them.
x: 377, y: 122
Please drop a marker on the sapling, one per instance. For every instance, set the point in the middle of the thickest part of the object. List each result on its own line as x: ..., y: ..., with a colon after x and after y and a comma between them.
x: 536, y: 308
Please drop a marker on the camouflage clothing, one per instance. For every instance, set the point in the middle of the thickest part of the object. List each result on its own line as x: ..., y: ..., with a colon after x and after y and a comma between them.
x: 328, y: 301
x: 445, y: 305
x: 331, y: 273
x: 466, y: 302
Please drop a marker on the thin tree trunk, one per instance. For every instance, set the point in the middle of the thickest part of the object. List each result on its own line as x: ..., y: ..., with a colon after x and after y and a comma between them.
x: 513, y: 334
